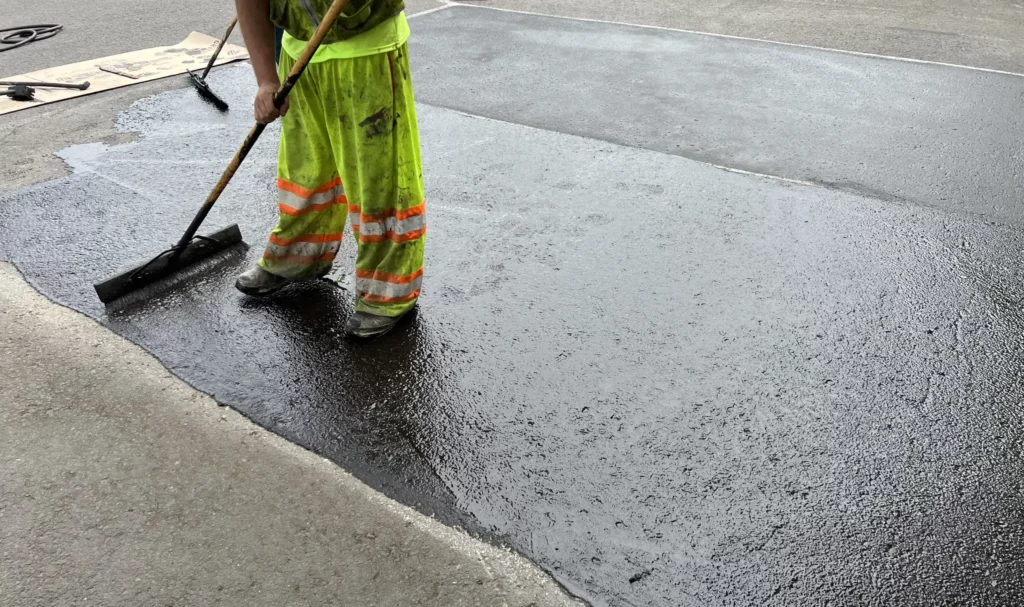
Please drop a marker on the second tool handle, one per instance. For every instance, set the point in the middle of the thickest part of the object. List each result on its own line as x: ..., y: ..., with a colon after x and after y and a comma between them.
x: 282, y: 93
x: 220, y: 46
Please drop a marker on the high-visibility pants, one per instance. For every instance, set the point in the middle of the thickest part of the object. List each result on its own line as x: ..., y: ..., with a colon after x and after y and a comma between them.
x: 350, y: 148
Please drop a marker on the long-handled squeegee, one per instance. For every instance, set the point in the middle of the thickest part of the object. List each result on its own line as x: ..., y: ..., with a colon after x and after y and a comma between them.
x: 191, y: 248
x: 200, y: 81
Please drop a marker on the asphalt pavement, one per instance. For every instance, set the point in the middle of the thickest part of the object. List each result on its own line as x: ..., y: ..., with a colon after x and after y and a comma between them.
x: 708, y: 321
x: 984, y: 34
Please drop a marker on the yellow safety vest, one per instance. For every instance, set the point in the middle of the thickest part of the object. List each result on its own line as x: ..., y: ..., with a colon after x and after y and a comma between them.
x: 300, y: 18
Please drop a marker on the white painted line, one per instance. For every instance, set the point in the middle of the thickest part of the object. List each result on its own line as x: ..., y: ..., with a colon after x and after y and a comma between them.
x: 634, y: 147
x: 731, y: 37
x: 443, y: 6
x: 755, y: 174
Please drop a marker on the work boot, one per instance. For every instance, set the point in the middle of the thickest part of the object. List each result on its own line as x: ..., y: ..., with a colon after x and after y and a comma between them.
x: 363, y: 325
x: 257, y: 282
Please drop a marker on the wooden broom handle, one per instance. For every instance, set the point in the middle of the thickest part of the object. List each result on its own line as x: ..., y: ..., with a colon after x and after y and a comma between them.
x: 250, y: 140
x: 307, y: 53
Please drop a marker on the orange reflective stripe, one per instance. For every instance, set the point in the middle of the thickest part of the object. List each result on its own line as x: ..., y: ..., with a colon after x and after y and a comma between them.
x: 302, y: 192
x: 395, y: 279
x: 396, y: 238
x: 399, y: 215
x: 313, y: 208
x: 380, y: 299
x: 301, y: 259
x: 312, y: 238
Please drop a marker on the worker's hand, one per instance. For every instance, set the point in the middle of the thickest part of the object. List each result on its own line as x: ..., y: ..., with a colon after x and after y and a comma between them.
x: 264, y: 104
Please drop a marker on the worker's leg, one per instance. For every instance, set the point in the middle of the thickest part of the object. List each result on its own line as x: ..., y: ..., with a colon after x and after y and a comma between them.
x: 311, y: 198
x: 377, y: 144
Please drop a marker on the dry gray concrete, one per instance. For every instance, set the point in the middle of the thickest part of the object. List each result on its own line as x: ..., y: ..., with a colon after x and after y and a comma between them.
x: 985, y: 33
x: 120, y: 485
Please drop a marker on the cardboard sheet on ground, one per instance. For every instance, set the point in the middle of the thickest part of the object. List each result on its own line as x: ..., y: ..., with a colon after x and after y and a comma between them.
x: 122, y: 70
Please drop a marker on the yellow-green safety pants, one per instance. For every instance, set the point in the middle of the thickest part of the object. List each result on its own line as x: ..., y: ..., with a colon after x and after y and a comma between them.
x: 350, y: 148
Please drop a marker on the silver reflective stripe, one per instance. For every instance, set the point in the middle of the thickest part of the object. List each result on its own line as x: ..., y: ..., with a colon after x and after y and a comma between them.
x: 305, y: 249
x: 369, y: 286
x: 308, y: 7
x: 297, y: 203
x: 398, y: 226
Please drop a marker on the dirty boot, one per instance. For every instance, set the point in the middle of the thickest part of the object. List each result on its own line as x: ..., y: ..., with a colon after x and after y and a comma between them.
x: 259, y: 283
x: 363, y: 325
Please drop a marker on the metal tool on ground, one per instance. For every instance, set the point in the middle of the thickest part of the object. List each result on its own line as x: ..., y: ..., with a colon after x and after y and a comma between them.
x: 138, y: 282
x: 20, y: 92
x: 26, y: 91
x: 13, y: 37
x: 200, y: 81
x: 81, y: 86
